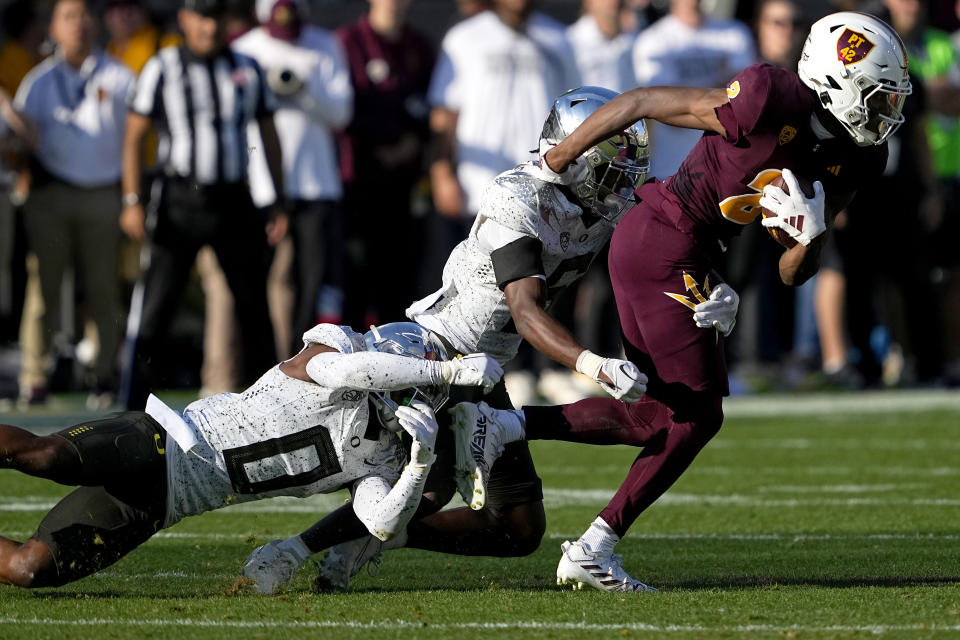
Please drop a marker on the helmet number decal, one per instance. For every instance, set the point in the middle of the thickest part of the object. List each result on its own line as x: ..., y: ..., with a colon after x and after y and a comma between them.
x: 744, y: 209
x: 852, y: 47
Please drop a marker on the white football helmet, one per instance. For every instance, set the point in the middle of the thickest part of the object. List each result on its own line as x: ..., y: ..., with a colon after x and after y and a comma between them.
x: 857, y: 66
x: 414, y: 341
x: 616, y: 166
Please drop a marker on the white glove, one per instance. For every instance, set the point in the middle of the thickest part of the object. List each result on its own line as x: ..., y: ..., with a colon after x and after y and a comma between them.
x: 629, y: 383
x: 575, y: 172
x: 474, y: 370
x: 720, y: 311
x: 800, y: 217
x: 418, y: 420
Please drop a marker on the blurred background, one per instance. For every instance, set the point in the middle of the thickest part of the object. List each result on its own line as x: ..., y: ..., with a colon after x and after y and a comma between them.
x: 402, y: 113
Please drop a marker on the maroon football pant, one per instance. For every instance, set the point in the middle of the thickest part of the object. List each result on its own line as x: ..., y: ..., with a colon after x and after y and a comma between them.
x: 649, y: 254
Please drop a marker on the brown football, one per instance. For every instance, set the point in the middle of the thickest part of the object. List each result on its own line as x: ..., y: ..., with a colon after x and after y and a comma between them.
x: 780, y: 235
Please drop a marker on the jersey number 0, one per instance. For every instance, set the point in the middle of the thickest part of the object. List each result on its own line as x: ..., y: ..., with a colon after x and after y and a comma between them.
x: 295, y: 460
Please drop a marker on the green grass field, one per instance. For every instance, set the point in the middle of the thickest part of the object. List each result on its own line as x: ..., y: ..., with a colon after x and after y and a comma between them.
x: 807, y: 517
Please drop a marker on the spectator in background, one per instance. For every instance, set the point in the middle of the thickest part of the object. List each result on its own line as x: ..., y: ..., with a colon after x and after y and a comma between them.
x: 914, y: 207
x: 306, y: 69
x: 133, y: 38
x: 601, y: 47
x: 382, y: 155
x: 25, y: 30
x: 496, y: 78
x: 201, y: 96
x: 687, y: 49
x: 76, y: 99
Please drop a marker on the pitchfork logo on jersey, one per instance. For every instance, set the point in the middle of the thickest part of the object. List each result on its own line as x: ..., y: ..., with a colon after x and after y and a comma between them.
x: 852, y: 47
x: 693, y: 287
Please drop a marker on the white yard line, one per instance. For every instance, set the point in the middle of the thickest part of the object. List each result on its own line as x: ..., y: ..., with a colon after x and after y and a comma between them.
x: 522, y: 624
x: 755, y: 537
x: 865, y: 402
x: 554, y: 498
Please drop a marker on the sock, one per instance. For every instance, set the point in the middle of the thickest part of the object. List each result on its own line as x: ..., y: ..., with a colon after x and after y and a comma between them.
x: 600, y: 538
x: 513, y: 423
x: 297, y: 547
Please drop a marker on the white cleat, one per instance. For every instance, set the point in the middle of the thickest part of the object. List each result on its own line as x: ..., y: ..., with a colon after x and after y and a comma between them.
x: 270, y: 567
x: 580, y: 566
x: 478, y: 437
x: 344, y: 561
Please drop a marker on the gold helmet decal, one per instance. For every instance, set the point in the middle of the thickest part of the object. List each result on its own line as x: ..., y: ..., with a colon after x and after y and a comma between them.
x: 852, y: 47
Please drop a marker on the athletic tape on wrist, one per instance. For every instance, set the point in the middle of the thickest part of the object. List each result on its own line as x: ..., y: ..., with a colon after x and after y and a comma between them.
x: 589, y: 364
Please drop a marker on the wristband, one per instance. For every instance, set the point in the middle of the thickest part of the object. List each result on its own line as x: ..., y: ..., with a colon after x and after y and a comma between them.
x: 589, y: 364
x: 131, y: 199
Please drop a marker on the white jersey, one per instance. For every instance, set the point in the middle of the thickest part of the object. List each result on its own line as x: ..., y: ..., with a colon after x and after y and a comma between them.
x: 470, y: 310
x: 280, y: 437
x: 602, y: 61
x: 502, y: 83
x: 671, y: 53
x: 304, y: 122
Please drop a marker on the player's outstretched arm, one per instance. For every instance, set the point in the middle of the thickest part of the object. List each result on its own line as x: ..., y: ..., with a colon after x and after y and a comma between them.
x: 374, y: 371
x: 691, y: 108
x: 526, y: 298
x: 386, y: 510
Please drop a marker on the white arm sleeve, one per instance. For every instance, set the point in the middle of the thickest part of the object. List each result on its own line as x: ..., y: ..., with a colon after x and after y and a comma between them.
x: 383, y: 510
x: 372, y: 371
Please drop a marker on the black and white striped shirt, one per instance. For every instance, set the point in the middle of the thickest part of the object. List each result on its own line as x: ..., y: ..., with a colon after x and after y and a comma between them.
x: 201, y: 108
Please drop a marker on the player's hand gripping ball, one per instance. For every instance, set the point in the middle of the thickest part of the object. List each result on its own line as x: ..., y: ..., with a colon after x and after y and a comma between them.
x: 789, y: 217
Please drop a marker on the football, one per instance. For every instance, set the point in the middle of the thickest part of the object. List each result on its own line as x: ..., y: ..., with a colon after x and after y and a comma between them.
x: 781, y: 236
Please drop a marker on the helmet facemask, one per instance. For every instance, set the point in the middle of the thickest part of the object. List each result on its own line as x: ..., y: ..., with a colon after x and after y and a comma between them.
x: 877, y: 114
x: 616, y: 169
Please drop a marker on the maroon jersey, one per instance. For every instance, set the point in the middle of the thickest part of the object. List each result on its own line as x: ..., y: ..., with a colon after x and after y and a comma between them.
x: 767, y: 121
x: 389, y: 128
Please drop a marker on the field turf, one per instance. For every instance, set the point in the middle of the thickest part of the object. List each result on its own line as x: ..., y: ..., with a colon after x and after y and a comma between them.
x: 807, y: 517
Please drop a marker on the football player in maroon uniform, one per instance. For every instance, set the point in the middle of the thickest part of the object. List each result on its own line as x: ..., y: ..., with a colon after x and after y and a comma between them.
x: 828, y: 122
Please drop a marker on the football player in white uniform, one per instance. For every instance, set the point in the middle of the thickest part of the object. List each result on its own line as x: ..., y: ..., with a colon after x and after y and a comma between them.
x: 303, y: 428
x: 535, y: 234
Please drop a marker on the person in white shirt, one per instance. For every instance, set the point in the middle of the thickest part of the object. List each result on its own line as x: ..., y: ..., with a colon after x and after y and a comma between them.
x: 309, y: 425
x: 306, y: 70
x: 602, y: 48
x: 76, y: 100
x: 686, y: 48
x: 496, y: 78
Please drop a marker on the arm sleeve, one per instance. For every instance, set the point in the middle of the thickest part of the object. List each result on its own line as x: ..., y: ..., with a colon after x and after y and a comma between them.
x: 145, y: 97
x: 328, y: 98
x: 383, y: 510
x: 372, y: 371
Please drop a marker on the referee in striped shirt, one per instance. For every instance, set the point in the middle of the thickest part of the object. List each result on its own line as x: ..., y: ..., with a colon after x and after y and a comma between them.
x: 201, y: 96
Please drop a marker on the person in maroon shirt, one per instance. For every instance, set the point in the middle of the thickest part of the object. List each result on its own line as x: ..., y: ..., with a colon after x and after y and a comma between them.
x: 381, y: 158
x: 828, y: 123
